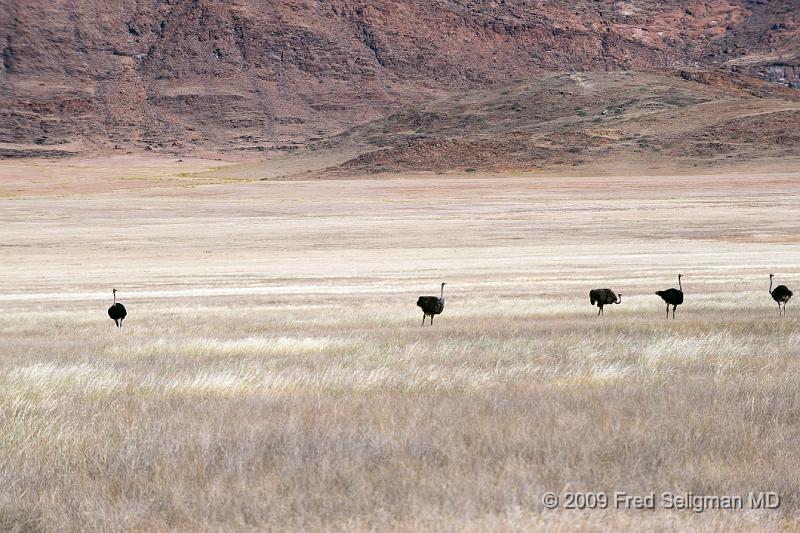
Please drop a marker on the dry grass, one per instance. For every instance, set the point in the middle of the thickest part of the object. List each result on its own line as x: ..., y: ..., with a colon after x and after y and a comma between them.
x: 316, y: 402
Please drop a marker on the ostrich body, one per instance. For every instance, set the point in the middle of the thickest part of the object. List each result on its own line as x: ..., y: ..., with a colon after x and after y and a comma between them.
x: 431, y: 305
x: 117, y: 312
x: 673, y: 297
x: 781, y: 294
x: 603, y: 297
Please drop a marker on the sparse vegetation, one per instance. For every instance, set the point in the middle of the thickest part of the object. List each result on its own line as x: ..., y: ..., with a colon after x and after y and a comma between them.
x: 272, y: 373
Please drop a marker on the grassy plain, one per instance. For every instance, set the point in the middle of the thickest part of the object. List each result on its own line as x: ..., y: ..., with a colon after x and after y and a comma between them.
x: 273, y: 372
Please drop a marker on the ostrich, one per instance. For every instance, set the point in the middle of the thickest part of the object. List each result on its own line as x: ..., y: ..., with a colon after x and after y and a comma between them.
x: 673, y: 297
x: 431, y: 305
x: 117, y: 312
x: 603, y: 297
x: 780, y: 294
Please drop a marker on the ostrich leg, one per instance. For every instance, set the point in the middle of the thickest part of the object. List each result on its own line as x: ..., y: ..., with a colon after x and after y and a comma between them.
x: 667, y: 310
x: 423, y: 319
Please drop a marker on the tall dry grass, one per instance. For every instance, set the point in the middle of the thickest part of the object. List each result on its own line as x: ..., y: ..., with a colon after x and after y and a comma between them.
x: 345, y: 415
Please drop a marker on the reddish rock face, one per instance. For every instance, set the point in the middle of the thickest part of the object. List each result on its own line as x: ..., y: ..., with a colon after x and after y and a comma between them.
x: 248, y: 76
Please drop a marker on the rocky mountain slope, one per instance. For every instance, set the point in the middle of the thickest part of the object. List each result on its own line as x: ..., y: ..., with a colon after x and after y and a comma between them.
x: 250, y: 78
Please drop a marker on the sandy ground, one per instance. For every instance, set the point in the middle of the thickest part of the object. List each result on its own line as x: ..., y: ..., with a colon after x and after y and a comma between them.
x: 22, y: 178
x: 554, y: 237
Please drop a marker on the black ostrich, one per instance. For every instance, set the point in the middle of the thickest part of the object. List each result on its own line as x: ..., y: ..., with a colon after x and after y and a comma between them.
x: 431, y: 305
x: 117, y: 312
x: 780, y: 294
x: 673, y: 297
x: 603, y: 297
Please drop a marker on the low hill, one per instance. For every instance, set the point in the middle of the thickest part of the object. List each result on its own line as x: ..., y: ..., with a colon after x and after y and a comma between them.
x: 581, y: 120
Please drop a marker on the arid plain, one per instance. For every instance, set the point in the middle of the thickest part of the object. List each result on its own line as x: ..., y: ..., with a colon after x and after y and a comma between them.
x: 273, y: 372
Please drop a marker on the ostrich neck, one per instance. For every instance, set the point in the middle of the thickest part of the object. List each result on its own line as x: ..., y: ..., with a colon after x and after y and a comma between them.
x: 441, y: 294
x: 770, y: 285
x: 680, y: 287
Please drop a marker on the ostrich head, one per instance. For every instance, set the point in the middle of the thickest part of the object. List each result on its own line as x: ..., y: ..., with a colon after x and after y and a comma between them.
x: 771, y: 276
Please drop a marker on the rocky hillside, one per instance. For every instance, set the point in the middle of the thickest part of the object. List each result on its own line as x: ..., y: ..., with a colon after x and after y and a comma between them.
x: 247, y: 78
x: 591, y: 121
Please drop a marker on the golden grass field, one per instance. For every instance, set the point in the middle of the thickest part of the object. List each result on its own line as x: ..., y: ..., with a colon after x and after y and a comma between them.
x: 273, y: 374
